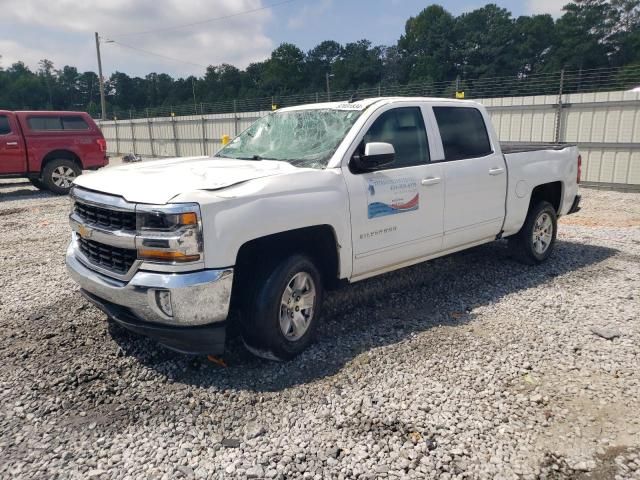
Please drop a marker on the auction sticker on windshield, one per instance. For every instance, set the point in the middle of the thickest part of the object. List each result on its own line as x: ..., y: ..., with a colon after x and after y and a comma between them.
x: 392, y: 196
x: 349, y: 106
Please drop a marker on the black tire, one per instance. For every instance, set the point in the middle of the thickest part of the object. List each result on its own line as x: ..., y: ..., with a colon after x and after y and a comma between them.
x: 51, y: 175
x: 260, y: 312
x: 523, y: 245
x: 36, y: 182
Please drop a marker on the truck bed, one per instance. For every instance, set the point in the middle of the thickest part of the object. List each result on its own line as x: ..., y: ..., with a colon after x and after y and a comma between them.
x: 521, y: 147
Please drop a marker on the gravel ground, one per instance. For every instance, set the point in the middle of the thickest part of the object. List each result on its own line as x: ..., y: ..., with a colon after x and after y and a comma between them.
x: 470, y: 366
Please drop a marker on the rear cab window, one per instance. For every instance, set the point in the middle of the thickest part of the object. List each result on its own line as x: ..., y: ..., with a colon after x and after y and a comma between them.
x: 463, y: 132
x: 39, y: 123
x: 5, y: 127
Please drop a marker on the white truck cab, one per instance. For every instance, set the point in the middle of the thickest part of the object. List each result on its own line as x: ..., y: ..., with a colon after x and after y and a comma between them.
x: 306, y: 199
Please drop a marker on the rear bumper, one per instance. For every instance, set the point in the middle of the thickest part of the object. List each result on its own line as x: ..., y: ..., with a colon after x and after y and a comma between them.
x: 575, y: 206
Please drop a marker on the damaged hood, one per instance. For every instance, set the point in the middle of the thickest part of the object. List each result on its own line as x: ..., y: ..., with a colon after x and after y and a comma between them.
x: 158, y: 181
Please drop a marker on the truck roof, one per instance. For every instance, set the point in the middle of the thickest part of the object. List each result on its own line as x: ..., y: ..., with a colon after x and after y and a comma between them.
x: 45, y: 113
x: 365, y: 103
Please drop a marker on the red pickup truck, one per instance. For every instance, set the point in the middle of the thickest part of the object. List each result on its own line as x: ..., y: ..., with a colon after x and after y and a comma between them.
x: 50, y: 148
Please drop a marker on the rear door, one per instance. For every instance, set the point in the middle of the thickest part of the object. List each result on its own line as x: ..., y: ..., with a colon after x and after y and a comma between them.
x: 396, y: 212
x: 13, y: 157
x: 475, y: 176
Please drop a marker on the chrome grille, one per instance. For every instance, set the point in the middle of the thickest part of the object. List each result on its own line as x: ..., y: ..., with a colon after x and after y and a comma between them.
x: 105, y: 217
x: 118, y: 260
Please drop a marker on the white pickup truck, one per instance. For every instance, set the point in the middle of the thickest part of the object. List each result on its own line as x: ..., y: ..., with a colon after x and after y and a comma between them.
x: 307, y: 199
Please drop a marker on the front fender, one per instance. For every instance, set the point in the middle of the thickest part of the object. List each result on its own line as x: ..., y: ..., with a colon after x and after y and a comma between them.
x: 266, y: 206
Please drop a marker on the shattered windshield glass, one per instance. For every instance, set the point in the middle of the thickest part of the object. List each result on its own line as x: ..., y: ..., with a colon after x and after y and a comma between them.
x: 303, y: 138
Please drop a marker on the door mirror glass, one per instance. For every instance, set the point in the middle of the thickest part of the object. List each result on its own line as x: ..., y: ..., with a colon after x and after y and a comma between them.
x: 376, y: 155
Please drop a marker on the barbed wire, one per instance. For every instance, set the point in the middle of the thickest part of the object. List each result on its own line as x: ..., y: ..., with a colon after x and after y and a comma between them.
x: 553, y: 83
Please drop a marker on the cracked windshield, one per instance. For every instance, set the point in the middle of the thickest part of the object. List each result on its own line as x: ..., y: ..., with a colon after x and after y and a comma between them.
x: 303, y: 138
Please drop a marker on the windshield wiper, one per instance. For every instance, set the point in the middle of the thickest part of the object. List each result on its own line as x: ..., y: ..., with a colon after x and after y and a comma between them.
x: 252, y: 157
x: 255, y: 157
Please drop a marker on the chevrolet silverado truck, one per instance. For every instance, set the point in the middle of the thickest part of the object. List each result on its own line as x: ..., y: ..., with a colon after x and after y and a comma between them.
x: 50, y: 148
x: 306, y: 199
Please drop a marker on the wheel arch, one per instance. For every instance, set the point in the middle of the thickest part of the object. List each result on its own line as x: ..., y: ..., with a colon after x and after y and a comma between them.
x: 60, y: 154
x: 319, y: 242
x: 551, y: 192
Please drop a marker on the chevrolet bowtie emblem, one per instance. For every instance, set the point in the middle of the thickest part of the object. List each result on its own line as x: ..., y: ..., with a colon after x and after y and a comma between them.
x: 84, y: 232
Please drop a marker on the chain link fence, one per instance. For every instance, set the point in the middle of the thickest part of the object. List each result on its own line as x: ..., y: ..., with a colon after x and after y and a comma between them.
x: 562, y: 82
x: 605, y: 125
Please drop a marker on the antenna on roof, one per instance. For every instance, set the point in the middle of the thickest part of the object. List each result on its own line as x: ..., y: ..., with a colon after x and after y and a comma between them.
x: 353, y: 98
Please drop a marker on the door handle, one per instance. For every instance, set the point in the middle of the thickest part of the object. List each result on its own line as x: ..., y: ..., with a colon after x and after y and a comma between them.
x: 496, y: 171
x: 12, y: 145
x: 431, y: 181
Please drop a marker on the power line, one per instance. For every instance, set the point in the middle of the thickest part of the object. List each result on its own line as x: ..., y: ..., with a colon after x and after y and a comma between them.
x: 147, y: 52
x: 202, y: 22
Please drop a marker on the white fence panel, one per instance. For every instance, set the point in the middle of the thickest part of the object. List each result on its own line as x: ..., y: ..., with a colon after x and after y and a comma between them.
x: 605, y: 125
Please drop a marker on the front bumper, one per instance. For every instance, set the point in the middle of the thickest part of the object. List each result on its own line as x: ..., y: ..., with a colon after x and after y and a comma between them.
x: 199, y: 303
x: 198, y: 340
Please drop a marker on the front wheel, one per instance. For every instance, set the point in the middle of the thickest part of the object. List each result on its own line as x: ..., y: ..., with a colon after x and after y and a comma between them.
x: 535, y: 242
x: 279, y: 317
x: 58, y: 175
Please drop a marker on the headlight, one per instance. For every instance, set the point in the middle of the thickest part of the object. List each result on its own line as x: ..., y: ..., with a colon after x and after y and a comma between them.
x: 169, y: 234
x: 165, y: 222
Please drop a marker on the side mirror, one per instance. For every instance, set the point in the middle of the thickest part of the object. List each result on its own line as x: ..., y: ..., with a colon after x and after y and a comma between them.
x: 376, y: 155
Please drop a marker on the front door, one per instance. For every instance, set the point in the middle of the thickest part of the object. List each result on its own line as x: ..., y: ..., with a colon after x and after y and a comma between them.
x: 12, y: 154
x: 396, y: 212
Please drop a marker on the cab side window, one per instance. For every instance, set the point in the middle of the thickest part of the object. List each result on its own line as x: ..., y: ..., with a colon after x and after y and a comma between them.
x: 404, y: 129
x: 463, y: 132
x: 5, y: 128
x: 74, y: 123
x: 44, y: 123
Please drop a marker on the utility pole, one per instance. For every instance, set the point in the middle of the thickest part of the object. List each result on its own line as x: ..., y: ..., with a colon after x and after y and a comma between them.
x: 193, y: 89
x: 103, y: 103
x: 328, y: 76
x: 558, y: 133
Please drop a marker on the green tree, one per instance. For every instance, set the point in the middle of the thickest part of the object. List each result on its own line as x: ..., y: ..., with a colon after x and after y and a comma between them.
x: 68, y: 88
x: 626, y: 36
x: 25, y: 90
x: 582, y: 39
x: 45, y: 71
x: 253, y: 80
x: 284, y: 71
x: 126, y: 93
x: 222, y: 82
x: 393, y: 66
x: 486, y: 43
x: 428, y: 46
x: 533, y: 37
x: 434, y: 49
x: 359, y: 66
x: 89, y: 91
x: 319, y: 62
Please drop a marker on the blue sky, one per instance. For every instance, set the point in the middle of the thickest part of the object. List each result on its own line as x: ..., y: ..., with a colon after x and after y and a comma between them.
x: 62, y: 30
x: 381, y: 21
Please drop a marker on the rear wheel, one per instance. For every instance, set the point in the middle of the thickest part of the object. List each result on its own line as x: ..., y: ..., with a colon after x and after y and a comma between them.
x: 36, y: 182
x: 58, y: 175
x: 280, y: 312
x: 536, y: 240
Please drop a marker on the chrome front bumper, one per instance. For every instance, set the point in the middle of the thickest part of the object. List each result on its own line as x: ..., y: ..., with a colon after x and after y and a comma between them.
x: 197, y: 298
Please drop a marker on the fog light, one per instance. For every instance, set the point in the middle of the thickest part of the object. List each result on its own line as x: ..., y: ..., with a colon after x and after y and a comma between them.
x: 163, y: 299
